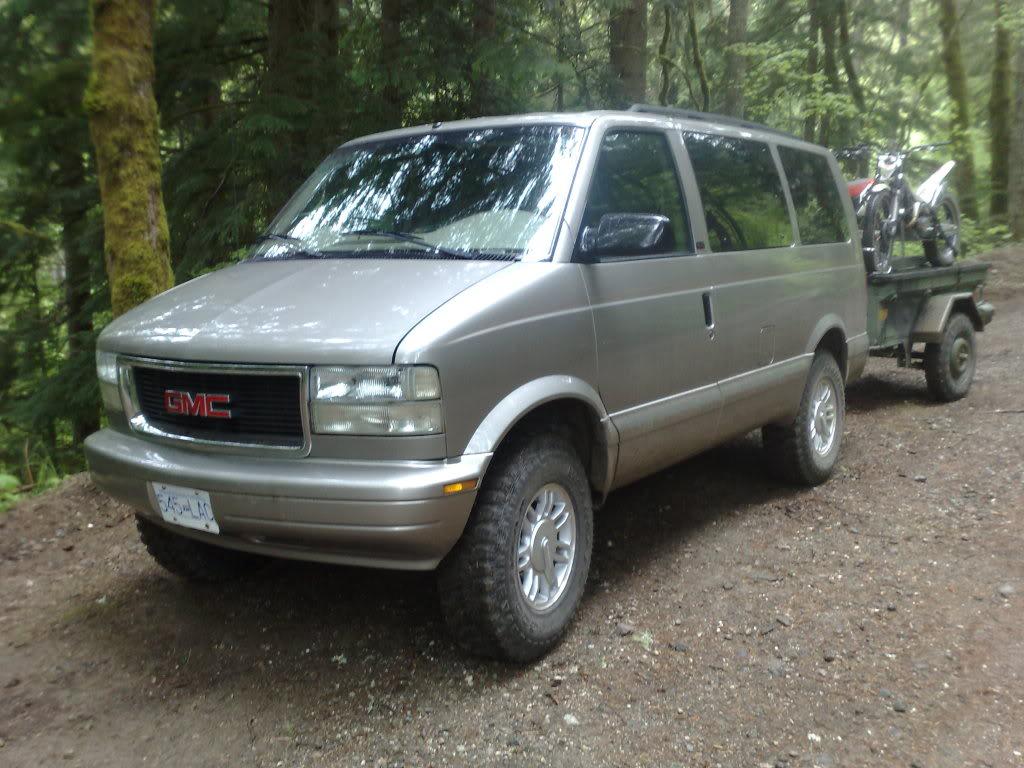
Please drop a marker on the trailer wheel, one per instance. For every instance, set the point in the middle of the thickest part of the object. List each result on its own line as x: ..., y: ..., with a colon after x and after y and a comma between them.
x: 949, y: 364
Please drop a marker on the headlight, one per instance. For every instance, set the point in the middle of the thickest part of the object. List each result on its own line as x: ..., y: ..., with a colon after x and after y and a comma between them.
x: 376, y: 400
x: 106, y: 372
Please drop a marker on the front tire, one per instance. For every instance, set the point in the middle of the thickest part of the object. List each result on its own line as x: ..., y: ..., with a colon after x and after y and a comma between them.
x: 806, y: 451
x: 194, y: 560
x: 943, y: 250
x: 511, y: 585
x: 949, y: 364
x: 876, y: 242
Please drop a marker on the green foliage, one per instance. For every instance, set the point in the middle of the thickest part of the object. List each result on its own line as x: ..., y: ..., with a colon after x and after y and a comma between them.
x: 978, y: 238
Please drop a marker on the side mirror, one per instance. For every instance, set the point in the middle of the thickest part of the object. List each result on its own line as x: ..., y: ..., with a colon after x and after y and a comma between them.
x: 626, y: 234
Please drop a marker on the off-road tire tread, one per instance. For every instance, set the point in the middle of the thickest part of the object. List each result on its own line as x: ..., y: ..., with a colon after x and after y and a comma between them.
x: 931, y: 247
x: 193, y: 560
x: 936, y: 361
x: 787, y: 447
x: 867, y: 240
x: 468, y: 578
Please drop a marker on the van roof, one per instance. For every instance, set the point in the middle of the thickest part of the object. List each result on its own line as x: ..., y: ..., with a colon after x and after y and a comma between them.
x: 638, y: 113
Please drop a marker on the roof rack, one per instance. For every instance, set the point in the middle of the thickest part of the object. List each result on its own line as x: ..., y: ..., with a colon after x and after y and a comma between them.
x: 708, y: 117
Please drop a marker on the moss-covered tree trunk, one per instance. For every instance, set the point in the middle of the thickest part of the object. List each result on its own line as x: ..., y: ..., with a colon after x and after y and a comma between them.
x: 1015, y: 188
x: 735, y: 60
x: 999, y: 114
x: 956, y: 78
x: 627, y: 34
x: 124, y: 125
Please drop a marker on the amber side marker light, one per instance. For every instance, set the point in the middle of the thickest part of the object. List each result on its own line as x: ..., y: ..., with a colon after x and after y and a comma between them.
x: 465, y: 485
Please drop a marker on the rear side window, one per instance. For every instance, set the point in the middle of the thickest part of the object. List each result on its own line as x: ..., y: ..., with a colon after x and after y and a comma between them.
x: 819, y: 209
x: 636, y: 173
x: 741, y: 192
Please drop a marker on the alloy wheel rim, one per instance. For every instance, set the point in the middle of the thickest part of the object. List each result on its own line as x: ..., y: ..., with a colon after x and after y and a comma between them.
x: 823, y: 421
x: 546, y: 547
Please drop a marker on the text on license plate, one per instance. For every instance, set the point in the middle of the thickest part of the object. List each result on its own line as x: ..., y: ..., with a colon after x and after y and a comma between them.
x: 185, y: 506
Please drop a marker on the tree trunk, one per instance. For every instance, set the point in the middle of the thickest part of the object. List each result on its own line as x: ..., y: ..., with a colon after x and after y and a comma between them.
x: 956, y: 78
x: 124, y: 125
x: 827, y: 11
x: 627, y: 33
x: 698, y: 59
x: 999, y: 114
x: 663, y: 57
x: 1015, y: 191
x: 735, y: 61
x: 85, y: 419
x: 844, y: 47
x: 481, y: 83
x: 810, y: 117
x: 77, y: 279
x: 302, y: 71
x: 390, y: 58
x: 903, y: 23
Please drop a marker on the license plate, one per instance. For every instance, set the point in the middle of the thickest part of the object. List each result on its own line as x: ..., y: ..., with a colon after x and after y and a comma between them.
x: 185, y: 506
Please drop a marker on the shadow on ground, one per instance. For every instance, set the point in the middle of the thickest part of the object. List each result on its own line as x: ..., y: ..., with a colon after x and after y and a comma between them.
x: 292, y: 627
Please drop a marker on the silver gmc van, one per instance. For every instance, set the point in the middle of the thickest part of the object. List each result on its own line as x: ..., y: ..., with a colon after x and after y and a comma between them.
x: 455, y: 340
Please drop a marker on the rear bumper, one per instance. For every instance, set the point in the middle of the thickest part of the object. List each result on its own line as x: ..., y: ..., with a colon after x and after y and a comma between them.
x: 389, y: 514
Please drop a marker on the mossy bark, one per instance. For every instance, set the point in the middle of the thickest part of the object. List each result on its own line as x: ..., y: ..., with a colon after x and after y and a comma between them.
x: 999, y: 114
x: 956, y: 77
x: 124, y: 126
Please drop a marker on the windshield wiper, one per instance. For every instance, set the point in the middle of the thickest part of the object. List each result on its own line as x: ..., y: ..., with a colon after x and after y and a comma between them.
x: 297, y: 247
x: 408, y: 237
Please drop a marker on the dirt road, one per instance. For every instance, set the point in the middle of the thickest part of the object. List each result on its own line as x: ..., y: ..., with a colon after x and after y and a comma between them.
x: 731, y: 621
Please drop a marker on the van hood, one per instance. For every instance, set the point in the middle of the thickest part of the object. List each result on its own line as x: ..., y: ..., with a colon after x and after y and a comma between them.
x: 340, y: 311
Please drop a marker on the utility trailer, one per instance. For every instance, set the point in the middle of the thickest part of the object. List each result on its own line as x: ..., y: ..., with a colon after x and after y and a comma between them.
x: 927, y: 317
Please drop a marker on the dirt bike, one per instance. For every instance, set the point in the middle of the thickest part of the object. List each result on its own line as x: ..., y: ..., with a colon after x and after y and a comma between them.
x: 889, y: 209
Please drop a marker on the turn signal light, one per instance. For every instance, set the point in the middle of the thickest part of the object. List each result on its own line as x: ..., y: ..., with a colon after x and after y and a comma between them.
x: 465, y: 485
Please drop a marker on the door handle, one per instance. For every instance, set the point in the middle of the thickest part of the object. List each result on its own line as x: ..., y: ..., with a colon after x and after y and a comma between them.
x: 709, y: 314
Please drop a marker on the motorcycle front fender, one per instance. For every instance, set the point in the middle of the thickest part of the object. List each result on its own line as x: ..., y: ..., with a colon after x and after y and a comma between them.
x: 930, y: 191
x: 871, y: 189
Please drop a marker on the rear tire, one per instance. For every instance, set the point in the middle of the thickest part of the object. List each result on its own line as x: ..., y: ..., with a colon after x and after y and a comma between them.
x: 949, y: 364
x: 875, y: 243
x: 806, y: 451
x: 943, y: 252
x: 483, y: 583
x: 194, y: 560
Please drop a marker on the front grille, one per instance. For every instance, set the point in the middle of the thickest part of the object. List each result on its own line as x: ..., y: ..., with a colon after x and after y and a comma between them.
x: 265, y: 408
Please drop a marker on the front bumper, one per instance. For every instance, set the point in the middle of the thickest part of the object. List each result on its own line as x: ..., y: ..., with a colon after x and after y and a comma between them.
x: 388, y: 514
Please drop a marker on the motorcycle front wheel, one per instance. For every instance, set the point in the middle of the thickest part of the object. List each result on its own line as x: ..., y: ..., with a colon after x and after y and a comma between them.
x: 942, y: 250
x: 877, y: 242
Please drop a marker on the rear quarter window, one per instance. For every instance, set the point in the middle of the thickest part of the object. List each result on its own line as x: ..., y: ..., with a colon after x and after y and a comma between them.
x: 741, y: 192
x: 812, y: 185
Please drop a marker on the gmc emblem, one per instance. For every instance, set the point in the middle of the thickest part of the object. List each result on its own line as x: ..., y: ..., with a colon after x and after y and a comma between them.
x: 198, y: 404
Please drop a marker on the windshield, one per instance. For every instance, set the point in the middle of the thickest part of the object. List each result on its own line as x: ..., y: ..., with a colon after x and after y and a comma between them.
x: 494, y: 193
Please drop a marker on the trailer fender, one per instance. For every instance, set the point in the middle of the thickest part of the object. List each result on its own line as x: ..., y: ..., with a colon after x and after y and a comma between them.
x: 931, y: 321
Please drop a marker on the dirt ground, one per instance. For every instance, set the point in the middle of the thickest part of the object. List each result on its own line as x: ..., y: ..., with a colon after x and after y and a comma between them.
x: 730, y: 621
